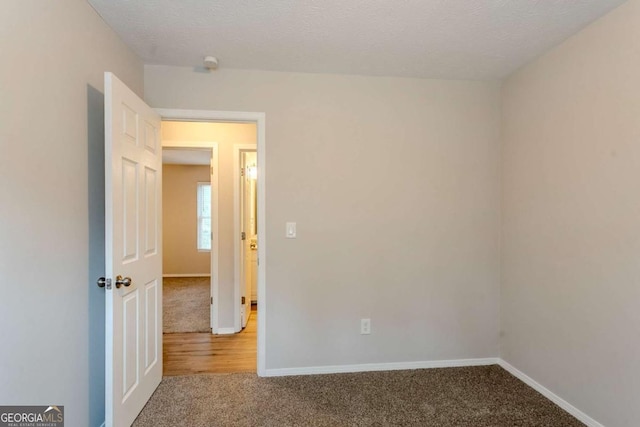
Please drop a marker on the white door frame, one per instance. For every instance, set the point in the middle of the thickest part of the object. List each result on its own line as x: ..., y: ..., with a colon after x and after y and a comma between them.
x: 215, y: 279
x: 238, y: 261
x: 259, y: 119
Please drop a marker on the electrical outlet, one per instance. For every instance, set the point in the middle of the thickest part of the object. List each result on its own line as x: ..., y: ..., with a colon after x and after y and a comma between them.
x: 365, y: 326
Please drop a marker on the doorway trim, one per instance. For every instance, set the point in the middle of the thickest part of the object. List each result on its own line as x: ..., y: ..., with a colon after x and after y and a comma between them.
x: 214, y: 258
x: 238, y: 262
x: 260, y: 120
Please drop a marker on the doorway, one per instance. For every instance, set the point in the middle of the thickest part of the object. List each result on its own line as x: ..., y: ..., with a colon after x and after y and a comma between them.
x: 226, y: 338
x: 187, y: 217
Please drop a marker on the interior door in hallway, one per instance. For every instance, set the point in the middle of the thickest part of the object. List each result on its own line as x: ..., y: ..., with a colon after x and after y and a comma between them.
x: 248, y: 209
x: 133, y: 198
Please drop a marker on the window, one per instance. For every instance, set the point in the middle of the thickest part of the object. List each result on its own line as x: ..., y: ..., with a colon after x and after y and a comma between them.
x: 204, y: 216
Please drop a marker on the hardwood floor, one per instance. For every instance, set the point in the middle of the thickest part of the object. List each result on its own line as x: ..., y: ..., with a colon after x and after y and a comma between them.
x: 204, y: 353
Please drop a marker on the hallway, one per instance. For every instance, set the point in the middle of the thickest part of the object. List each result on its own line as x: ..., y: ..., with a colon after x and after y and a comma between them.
x: 204, y: 353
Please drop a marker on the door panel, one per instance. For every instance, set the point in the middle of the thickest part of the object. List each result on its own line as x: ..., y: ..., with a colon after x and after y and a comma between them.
x: 133, y: 240
x: 150, y: 203
x: 130, y: 351
x: 130, y: 209
x: 151, y: 325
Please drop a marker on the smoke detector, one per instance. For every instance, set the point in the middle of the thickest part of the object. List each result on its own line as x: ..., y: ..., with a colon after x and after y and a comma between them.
x: 211, y: 62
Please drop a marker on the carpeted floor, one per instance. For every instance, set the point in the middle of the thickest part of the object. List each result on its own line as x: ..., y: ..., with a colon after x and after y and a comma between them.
x: 185, y: 304
x: 471, y: 396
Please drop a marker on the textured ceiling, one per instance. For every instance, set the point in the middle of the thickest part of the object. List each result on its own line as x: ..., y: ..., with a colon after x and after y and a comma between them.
x: 452, y: 39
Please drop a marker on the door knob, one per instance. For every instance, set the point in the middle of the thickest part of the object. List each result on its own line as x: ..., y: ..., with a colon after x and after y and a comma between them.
x: 126, y: 281
x: 102, y: 282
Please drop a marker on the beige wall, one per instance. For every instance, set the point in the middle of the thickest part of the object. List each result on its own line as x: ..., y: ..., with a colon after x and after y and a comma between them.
x: 52, y: 228
x: 226, y: 135
x: 180, y: 220
x: 571, y: 208
x: 395, y: 187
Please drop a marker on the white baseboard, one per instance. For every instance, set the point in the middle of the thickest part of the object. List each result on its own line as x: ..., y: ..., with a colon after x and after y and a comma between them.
x: 187, y: 275
x: 584, y: 418
x: 368, y: 367
x: 226, y: 331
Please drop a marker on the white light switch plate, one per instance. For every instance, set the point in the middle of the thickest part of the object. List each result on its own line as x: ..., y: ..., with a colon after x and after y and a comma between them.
x: 290, y: 230
x: 365, y: 326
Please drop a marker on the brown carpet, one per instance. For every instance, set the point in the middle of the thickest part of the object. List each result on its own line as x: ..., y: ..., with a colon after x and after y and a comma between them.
x: 185, y: 304
x: 473, y: 396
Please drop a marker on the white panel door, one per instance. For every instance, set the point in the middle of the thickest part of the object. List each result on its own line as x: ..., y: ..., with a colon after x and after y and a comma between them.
x: 245, y: 309
x: 248, y: 229
x: 133, y: 179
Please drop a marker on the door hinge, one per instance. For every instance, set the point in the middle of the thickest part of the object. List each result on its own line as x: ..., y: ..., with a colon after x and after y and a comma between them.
x: 241, y: 171
x: 211, y: 170
x: 211, y: 300
x: 212, y: 236
x: 243, y: 236
x: 243, y: 300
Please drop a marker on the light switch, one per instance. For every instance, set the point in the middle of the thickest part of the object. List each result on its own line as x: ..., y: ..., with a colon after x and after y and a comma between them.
x: 291, y: 230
